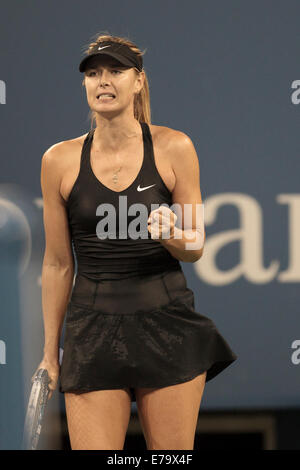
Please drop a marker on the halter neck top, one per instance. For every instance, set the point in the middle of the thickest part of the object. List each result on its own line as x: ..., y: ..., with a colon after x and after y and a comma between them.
x: 102, y: 220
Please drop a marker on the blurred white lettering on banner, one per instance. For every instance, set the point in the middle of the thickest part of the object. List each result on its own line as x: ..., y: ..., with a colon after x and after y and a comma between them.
x: 2, y: 92
x: 2, y: 352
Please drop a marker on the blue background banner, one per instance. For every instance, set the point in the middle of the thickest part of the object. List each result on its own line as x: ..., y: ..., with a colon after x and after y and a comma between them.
x: 226, y: 74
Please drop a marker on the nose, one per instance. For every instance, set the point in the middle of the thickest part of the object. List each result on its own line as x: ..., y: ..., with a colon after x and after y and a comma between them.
x: 104, y: 77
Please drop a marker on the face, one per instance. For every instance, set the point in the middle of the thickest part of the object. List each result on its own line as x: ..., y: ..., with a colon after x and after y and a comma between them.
x: 106, y: 74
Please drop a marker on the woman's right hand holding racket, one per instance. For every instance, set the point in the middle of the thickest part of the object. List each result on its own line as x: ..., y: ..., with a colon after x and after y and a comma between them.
x: 53, y: 368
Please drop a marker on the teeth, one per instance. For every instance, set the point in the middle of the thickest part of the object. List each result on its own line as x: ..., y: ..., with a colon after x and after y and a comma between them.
x: 106, y: 95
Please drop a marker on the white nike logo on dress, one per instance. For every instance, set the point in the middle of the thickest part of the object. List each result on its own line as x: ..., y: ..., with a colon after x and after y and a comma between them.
x: 146, y: 187
x: 103, y: 47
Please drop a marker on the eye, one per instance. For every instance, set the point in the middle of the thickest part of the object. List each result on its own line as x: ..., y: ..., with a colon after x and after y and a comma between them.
x: 93, y: 72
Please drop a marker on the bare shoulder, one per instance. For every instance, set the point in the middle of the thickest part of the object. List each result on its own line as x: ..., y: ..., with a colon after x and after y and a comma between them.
x: 168, y: 138
x: 58, y: 161
x: 183, y: 161
x: 172, y: 141
x: 60, y: 151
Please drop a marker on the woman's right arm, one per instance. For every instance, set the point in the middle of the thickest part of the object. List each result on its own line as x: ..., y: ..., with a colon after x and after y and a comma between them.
x: 58, y: 263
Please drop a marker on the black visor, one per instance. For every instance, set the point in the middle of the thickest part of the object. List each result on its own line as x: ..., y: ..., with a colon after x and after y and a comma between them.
x: 120, y: 52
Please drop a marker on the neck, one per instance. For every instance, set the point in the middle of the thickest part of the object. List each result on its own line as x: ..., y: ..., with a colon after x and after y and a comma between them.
x: 113, y: 134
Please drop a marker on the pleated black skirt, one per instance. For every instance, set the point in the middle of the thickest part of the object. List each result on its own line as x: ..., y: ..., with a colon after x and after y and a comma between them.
x: 138, y: 332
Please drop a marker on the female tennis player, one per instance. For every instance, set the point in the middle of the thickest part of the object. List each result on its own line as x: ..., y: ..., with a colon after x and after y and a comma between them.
x: 131, y: 332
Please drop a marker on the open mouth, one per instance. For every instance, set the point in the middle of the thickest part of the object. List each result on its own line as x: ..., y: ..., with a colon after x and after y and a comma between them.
x: 106, y: 97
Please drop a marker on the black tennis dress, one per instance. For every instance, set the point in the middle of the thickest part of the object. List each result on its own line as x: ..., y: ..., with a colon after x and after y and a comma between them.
x: 131, y: 319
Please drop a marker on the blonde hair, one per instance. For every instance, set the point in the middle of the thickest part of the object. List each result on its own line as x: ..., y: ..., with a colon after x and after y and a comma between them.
x: 141, y: 104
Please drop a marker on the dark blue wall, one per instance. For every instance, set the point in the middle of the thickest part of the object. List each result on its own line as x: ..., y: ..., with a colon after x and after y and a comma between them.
x: 226, y: 74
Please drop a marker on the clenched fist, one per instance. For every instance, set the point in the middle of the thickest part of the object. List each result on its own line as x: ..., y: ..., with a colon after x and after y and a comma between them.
x: 161, y: 223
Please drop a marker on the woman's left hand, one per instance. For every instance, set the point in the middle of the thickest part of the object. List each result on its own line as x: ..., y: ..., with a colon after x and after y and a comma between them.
x: 161, y: 223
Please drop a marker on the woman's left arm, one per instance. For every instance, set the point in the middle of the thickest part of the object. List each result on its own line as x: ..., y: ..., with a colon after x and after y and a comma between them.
x: 182, y: 234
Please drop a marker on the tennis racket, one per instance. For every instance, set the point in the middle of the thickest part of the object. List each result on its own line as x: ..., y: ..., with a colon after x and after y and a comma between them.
x: 35, y: 410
